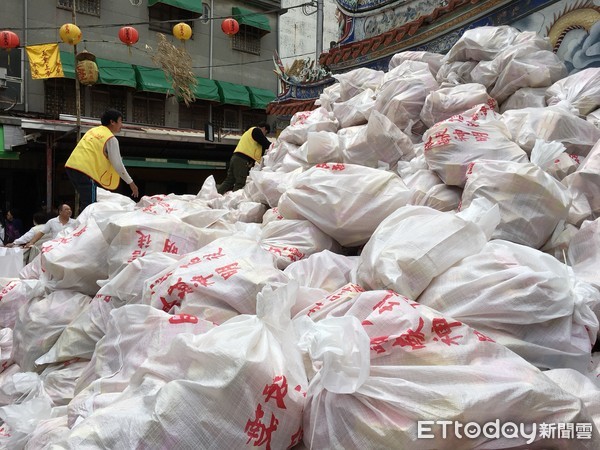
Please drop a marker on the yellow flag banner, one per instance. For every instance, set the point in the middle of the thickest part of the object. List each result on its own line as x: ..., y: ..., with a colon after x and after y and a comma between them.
x: 44, y: 61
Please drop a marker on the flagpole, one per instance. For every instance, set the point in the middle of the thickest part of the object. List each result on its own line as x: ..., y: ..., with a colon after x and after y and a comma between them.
x: 77, y: 105
x: 77, y: 86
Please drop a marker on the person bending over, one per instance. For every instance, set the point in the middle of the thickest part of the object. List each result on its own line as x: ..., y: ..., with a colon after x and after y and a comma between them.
x: 249, y: 150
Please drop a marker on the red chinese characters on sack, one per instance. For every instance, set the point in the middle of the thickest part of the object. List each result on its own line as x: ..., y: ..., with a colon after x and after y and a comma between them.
x: 9, y: 287
x: 414, y: 339
x: 208, y: 257
x: 387, y: 304
x: 258, y: 431
x: 170, y: 247
x: 334, y: 166
x: 183, y: 318
x: 228, y: 270
x: 161, y: 279
x: 200, y: 280
x: 181, y: 287
x: 277, y: 390
x: 482, y: 337
x: 144, y: 240
x: 443, y: 329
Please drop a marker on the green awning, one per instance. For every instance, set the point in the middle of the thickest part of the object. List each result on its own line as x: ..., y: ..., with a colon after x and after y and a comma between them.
x: 67, y: 60
x: 207, y: 90
x: 260, y: 98
x: 188, y: 5
x: 9, y: 155
x: 152, y: 80
x: 115, y: 73
x: 251, y: 19
x: 233, y: 94
x: 171, y: 163
x: 109, y: 72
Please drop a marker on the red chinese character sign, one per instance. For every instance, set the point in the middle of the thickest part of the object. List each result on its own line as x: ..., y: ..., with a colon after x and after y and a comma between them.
x: 70, y: 34
x: 230, y: 26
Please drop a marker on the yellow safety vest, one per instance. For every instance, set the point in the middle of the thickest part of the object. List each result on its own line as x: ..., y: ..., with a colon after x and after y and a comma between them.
x: 89, y: 157
x: 249, y: 146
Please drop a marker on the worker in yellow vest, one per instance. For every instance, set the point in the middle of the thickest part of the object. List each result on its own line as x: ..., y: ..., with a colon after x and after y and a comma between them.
x: 250, y: 149
x: 96, y: 160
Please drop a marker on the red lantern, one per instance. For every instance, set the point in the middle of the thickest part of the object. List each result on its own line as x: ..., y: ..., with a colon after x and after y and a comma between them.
x: 9, y: 40
x: 230, y: 26
x: 128, y: 35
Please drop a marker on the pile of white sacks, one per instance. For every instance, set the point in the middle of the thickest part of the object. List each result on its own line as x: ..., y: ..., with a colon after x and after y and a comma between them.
x: 424, y: 246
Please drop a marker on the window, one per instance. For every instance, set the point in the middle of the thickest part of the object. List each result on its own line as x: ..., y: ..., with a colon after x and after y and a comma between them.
x: 247, y: 40
x: 60, y: 97
x: 91, y: 7
x: 194, y: 116
x: 251, y: 119
x: 149, y: 108
x: 231, y: 119
x: 104, y: 97
x: 163, y: 17
x: 206, y: 15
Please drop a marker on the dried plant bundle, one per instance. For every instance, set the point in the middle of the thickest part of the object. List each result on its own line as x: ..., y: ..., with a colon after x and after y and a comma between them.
x: 176, y: 63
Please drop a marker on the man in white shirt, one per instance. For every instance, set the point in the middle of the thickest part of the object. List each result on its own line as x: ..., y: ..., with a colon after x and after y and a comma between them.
x: 54, y: 226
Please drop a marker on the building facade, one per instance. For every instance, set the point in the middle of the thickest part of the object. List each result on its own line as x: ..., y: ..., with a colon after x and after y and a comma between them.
x: 163, y: 141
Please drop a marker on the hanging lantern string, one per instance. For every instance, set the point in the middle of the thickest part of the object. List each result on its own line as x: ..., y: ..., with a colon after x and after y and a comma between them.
x: 204, y: 19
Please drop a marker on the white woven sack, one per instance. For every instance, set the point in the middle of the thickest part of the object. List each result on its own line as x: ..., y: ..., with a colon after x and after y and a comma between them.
x: 79, y: 338
x: 524, y: 65
x: 581, y: 387
x: 416, y: 243
x: 140, y: 233
x: 6, y: 343
x: 525, y: 97
x: 67, y: 262
x: 585, y: 181
x: 217, y: 282
x: 531, y: 201
x: 329, y: 96
x: 409, y: 363
x: 452, y: 144
x: 60, y: 379
x: 47, y: 432
x: 583, y: 254
x: 448, y: 101
x: 293, y: 240
x: 238, y: 385
x: 433, y: 60
x: 482, y: 43
x: 524, y: 299
x: 318, y: 120
x: 378, y: 144
x: 135, y: 333
x: 581, y: 89
x: 339, y: 301
x: 355, y: 81
x: 324, y: 270
x: 552, y: 123
x: 455, y: 73
x: 274, y: 156
x: 355, y: 110
x: 11, y: 261
x: 345, y: 201
x: 15, y: 293
x: 402, y: 93
x: 41, y: 322
x: 441, y: 197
